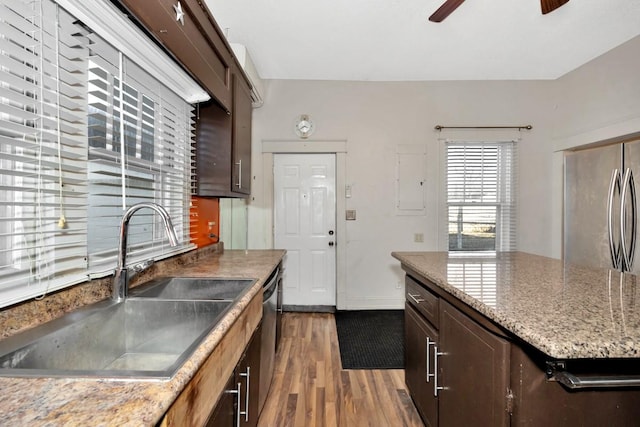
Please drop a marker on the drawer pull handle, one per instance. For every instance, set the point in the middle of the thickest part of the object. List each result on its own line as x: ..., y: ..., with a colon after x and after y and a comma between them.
x: 436, y: 354
x: 415, y: 298
x: 429, y: 344
x: 246, y: 397
x: 237, y: 392
x: 239, y: 164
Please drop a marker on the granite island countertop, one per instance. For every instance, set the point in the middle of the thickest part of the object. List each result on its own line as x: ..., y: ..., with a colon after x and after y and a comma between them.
x: 132, y: 402
x: 565, y: 311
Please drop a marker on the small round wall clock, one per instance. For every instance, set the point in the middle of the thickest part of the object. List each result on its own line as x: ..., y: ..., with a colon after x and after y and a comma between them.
x: 304, y: 126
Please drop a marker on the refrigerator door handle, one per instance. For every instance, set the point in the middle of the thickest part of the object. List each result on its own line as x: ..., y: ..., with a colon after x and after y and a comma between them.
x: 614, y: 247
x: 629, y: 186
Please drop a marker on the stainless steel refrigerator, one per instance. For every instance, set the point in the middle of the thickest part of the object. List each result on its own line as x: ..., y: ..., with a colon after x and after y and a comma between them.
x: 600, y: 207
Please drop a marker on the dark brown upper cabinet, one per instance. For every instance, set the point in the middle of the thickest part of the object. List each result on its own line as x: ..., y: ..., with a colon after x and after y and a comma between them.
x: 241, y: 136
x: 213, y: 151
x: 223, y: 146
x: 223, y: 125
x: 198, y: 44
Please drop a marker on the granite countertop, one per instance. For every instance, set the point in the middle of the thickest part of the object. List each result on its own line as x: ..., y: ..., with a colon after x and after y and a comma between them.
x: 131, y: 402
x: 565, y: 311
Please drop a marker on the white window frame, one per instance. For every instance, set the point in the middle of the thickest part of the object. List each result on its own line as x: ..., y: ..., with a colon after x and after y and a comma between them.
x: 505, y: 240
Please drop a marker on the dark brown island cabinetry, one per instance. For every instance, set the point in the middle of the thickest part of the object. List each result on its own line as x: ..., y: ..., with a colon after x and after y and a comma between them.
x: 463, y: 369
x: 455, y: 370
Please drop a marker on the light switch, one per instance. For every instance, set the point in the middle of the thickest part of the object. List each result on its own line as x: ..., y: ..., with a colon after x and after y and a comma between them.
x: 351, y: 215
x: 347, y: 191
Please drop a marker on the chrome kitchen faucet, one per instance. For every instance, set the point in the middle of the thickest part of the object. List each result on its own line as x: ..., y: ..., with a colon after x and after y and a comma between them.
x: 120, y: 287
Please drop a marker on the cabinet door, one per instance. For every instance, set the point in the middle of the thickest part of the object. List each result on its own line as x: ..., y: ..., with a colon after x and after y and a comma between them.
x: 213, y: 151
x: 420, y: 340
x: 225, y: 411
x: 242, y: 111
x: 474, y: 371
x: 248, y: 375
x: 197, y: 43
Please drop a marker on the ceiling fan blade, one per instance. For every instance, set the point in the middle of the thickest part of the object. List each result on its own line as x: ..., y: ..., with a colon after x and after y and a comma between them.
x: 446, y: 9
x: 551, y: 5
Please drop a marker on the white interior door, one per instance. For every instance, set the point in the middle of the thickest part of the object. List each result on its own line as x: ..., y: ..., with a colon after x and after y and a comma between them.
x: 305, y: 225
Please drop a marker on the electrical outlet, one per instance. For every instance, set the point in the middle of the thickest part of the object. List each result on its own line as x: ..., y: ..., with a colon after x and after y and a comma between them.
x: 399, y: 284
x: 418, y: 238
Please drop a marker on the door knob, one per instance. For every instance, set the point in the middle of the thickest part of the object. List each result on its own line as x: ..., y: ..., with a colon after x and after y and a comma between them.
x: 330, y: 232
x: 331, y: 243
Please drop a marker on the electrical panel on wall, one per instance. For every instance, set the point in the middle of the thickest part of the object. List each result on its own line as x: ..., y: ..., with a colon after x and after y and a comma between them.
x: 411, y: 168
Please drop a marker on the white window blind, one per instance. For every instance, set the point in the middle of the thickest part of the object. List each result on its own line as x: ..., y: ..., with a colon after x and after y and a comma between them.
x: 42, y: 150
x: 481, y: 196
x: 139, y: 151
x: 84, y: 133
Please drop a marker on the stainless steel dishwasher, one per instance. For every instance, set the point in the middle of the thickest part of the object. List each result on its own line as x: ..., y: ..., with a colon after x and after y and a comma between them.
x: 268, y: 338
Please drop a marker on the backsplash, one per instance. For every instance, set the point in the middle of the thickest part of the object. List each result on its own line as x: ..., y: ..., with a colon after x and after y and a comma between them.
x: 32, y: 313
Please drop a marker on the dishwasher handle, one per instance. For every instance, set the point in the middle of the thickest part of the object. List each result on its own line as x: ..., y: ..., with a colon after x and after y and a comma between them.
x: 271, y: 285
x: 574, y: 382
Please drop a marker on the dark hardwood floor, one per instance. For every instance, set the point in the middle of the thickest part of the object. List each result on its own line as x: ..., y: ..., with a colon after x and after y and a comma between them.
x: 310, y: 388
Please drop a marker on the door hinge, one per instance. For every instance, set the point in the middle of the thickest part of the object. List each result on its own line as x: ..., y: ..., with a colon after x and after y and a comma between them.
x: 510, y: 401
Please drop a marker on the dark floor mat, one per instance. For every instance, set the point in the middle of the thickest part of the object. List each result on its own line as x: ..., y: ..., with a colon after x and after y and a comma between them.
x: 371, y: 339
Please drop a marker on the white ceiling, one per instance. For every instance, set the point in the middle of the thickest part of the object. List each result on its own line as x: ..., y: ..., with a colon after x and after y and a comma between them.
x: 392, y: 40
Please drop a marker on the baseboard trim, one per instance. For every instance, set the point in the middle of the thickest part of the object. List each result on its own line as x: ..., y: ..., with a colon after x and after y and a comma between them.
x: 310, y: 308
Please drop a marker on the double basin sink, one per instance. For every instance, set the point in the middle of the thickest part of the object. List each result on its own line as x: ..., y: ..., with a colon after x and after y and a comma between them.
x: 149, y: 335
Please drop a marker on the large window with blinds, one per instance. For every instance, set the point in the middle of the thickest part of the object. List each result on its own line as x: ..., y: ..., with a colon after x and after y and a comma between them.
x: 84, y: 133
x: 139, y: 151
x: 481, y: 196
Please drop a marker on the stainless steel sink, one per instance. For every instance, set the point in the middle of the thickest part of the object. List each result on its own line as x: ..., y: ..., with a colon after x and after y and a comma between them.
x: 140, y: 338
x: 193, y: 288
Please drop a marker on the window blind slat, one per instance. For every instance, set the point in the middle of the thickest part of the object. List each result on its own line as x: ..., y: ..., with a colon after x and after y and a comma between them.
x: 61, y: 116
x: 10, y: 30
x: 17, y: 10
x: 36, y: 159
x: 480, y: 201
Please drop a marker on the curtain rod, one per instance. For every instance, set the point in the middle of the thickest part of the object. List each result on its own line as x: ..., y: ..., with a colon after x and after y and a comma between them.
x: 440, y: 127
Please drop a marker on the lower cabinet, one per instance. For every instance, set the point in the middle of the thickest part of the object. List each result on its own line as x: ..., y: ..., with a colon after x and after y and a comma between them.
x: 474, y: 372
x: 418, y: 336
x: 238, y: 405
x: 461, y: 369
x: 224, y: 413
x: 457, y: 372
x: 224, y: 391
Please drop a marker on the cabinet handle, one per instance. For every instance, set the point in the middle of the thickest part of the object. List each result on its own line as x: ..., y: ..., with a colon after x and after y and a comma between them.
x: 237, y: 393
x: 415, y: 299
x: 429, y: 344
x: 246, y: 397
x: 239, y: 163
x: 574, y: 382
x: 436, y: 354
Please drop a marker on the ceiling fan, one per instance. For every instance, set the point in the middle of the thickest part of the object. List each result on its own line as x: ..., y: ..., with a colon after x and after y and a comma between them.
x: 450, y: 5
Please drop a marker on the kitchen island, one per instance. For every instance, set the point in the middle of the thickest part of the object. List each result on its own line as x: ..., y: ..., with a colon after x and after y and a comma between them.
x: 520, y: 339
x: 140, y: 402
